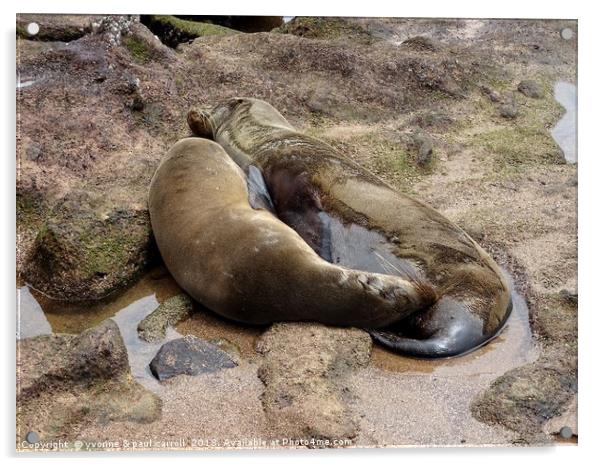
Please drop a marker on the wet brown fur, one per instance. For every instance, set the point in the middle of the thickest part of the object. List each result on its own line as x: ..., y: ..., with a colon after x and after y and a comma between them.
x: 252, y: 131
x: 246, y: 264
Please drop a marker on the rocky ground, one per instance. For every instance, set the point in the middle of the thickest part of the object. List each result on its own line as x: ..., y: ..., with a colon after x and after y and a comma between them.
x: 457, y: 113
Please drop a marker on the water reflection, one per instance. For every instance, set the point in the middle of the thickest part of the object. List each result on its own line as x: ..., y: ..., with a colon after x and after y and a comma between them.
x: 565, y: 131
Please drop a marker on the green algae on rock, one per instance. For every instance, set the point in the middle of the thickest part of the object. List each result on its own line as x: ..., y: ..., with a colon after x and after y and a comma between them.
x: 326, y: 29
x: 80, y: 255
x: 174, y: 31
x: 170, y: 313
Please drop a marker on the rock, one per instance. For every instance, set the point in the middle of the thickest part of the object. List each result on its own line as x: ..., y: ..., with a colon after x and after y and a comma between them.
x: 531, y: 89
x: 509, y: 110
x: 569, y: 296
x: 321, y: 100
x: 525, y: 398
x: 423, y: 144
x: 189, y: 355
x: 173, y: 31
x: 568, y: 418
x: 115, y: 27
x: 137, y: 103
x: 170, y: 312
x: 420, y: 43
x: 65, y: 382
x: 493, y: 95
x: 79, y: 254
x: 304, y: 368
x: 64, y: 28
x: 432, y: 119
x: 326, y: 28
x: 33, y: 153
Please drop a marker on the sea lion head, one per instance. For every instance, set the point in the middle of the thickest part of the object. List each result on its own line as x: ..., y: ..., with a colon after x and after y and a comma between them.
x: 200, y: 123
x: 243, y: 110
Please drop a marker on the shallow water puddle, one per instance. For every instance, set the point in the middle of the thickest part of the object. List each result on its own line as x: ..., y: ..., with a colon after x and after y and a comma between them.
x: 39, y: 315
x: 434, y: 397
x: 565, y: 131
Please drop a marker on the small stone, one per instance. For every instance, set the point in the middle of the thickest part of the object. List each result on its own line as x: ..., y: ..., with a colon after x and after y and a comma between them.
x: 189, y: 355
x: 493, y: 95
x: 33, y: 153
x: 509, y: 110
x: 170, y: 313
x: 569, y: 296
x: 566, y: 33
x: 424, y: 143
x: 530, y: 88
x: 32, y: 437
x: 137, y: 103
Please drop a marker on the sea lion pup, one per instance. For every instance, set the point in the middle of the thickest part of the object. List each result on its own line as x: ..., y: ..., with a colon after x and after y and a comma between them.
x: 352, y: 218
x: 247, y: 265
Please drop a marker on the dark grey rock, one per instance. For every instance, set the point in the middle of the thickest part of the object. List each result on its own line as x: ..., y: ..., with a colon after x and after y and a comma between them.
x: 530, y: 88
x: 493, y: 95
x: 424, y: 145
x: 509, y: 110
x: 137, y: 103
x: 189, y: 355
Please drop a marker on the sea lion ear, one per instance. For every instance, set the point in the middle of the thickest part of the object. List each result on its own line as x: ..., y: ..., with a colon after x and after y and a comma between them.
x: 200, y: 123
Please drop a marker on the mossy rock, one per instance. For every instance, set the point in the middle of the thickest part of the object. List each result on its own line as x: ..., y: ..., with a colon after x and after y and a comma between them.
x: 173, y: 31
x: 138, y: 48
x: 525, y: 398
x: 325, y: 28
x: 81, y: 255
x: 170, y: 312
x: 239, y: 23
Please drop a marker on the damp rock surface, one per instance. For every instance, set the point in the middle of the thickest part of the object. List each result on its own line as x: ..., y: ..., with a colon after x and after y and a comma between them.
x: 304, y: 369
x: 65, y: 382
x: 191, y: 356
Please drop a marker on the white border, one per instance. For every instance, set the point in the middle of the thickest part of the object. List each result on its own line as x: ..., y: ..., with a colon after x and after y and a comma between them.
x: 590, y: 323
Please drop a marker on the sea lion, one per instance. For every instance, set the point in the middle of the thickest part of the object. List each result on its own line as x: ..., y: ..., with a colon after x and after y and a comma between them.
x: 352, y: 218
x: 242, y: 262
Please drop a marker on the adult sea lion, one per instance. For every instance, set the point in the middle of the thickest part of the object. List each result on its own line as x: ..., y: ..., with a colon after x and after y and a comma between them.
x: 352, y: 218
x: 247, y: 265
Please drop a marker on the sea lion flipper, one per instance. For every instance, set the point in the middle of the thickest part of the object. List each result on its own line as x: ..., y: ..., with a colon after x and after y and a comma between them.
x: 451, y: 339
